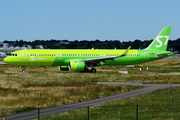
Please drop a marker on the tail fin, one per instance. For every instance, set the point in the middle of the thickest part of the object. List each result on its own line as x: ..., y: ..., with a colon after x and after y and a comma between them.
x: 161, y: 41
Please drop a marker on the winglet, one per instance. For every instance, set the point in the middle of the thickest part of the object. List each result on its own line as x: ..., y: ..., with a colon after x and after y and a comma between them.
x: 125, y: 53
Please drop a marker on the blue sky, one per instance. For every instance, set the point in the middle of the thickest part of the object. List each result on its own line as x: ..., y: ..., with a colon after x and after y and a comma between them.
x: 124, y: 20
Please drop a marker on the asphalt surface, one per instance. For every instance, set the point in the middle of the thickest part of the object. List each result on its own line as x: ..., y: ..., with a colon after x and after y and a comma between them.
x: 1, y: 62
x: 63, y: 108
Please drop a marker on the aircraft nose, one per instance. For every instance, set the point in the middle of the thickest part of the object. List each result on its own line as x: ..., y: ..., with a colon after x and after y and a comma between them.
x: 7, y: 60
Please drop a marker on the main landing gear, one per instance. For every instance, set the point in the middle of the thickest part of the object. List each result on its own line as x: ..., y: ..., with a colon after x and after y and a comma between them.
x: 93, y: 70
x: 23, y: 69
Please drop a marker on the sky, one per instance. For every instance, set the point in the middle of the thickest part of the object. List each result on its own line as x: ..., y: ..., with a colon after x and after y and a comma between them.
x: 124, y: 20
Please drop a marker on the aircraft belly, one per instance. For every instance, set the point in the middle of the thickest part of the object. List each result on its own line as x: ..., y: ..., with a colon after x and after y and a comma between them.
x: 126, y: 61
x: 37, y: 62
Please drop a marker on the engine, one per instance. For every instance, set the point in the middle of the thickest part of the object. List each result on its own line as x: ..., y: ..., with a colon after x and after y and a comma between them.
x: 76, y: 65
x: 63, y: 67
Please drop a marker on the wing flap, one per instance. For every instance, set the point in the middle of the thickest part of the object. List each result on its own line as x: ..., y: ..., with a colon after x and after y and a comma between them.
x: 111, y: 58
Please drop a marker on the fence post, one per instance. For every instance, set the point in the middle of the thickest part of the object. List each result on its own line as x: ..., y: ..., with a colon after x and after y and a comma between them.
x: 38, y: 113
x: 136, y: 112
x: 88, y: 112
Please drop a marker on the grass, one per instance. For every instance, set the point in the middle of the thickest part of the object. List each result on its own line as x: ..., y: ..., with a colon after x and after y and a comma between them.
x: 47, y: 86
x: 160, y: 104
x: 161, y: 96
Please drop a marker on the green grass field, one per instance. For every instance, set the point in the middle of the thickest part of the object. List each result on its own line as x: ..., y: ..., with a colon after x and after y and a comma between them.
x: 47, y: 86
x: 158, y: 105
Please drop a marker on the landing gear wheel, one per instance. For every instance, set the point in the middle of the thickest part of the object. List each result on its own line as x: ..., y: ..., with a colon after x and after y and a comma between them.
x: 93, y: 70
x: 86, y: 70
x: 23, y: 69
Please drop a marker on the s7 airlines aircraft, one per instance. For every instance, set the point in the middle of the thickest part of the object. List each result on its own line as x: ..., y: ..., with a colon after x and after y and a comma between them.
x: 79, y: 59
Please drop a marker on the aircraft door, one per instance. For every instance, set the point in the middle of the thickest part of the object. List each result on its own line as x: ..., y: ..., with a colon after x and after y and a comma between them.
x: 146, y: 55
x: 24, y: 55
x: 101, y: 54
x: 59, y: 55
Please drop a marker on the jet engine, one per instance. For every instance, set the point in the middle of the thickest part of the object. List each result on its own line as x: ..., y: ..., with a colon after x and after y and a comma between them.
x: 76, y: 65
x: 63, y: 67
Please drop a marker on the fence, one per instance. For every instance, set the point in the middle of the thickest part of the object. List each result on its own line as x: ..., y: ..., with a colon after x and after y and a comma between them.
x: 119, y: 112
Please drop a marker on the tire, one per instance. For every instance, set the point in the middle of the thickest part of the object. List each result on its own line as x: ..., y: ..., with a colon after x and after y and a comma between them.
x: 93, y: 70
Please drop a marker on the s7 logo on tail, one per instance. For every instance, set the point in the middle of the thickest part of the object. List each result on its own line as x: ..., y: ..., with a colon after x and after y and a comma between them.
x: 160, y: 42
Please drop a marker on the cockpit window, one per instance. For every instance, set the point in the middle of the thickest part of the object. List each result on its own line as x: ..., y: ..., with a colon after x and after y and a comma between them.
x: 13, y: 54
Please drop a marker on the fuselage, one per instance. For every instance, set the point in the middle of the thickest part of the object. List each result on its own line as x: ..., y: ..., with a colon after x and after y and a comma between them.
x: 59, y: 57
x: 80, y: 59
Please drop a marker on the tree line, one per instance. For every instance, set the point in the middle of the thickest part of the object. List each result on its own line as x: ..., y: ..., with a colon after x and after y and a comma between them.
x: 173, y: 45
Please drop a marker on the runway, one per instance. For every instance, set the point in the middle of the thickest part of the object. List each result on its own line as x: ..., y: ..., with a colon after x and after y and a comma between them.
x: 63, y: 108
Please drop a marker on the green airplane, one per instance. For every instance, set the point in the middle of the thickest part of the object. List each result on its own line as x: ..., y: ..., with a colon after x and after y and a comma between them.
x: 80, y: 59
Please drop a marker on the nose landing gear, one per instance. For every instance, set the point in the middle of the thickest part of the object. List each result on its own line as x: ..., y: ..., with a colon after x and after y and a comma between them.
x: 23, y: 69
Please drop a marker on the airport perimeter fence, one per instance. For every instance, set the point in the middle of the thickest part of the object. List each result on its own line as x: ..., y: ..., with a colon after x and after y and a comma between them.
x: 118, y: 112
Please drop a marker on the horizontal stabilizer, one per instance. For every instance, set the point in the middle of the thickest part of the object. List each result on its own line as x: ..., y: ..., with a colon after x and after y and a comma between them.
x: 162, y: 54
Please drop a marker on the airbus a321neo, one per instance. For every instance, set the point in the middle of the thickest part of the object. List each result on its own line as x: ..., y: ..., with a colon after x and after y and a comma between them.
x: 79, y: 59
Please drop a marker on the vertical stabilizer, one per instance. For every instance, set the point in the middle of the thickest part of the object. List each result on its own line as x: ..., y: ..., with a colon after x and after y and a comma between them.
x: 161, y: 41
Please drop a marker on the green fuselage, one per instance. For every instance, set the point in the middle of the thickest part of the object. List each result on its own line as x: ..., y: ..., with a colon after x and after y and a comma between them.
x: 59, y: 57
x: 79, y: 60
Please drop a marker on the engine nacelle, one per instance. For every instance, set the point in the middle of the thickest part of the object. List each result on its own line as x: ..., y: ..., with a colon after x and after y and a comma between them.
x: 63, y: 67
x: 76, y: 65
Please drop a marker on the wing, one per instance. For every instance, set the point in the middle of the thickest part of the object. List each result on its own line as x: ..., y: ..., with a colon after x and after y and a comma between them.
x: 111, y: 58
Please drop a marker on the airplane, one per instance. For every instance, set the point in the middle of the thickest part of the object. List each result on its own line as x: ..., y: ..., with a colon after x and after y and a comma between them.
x: 80, y: 59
